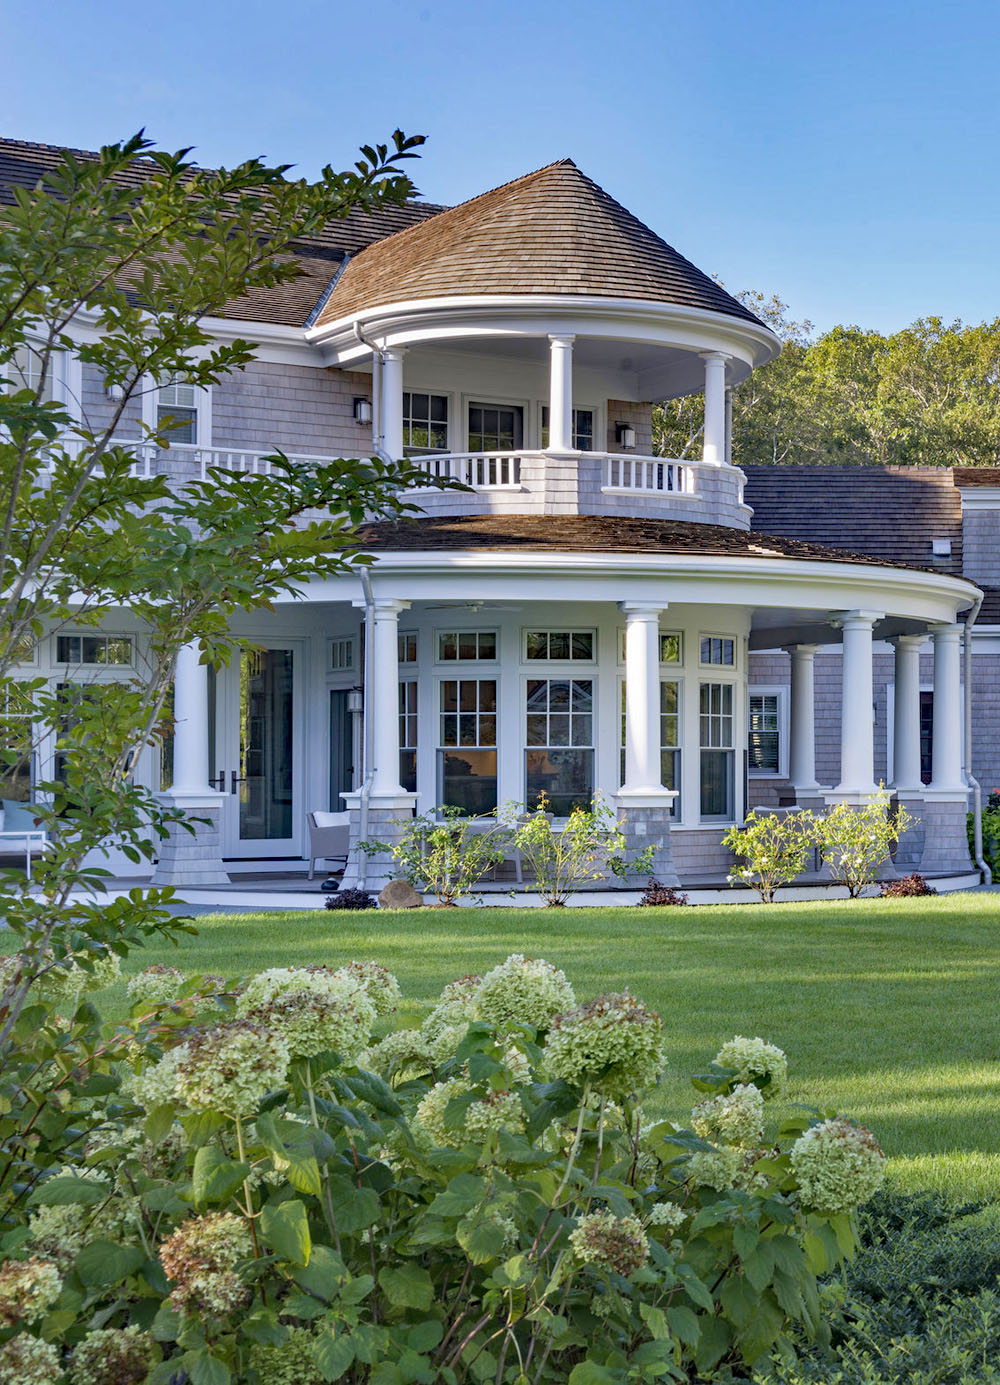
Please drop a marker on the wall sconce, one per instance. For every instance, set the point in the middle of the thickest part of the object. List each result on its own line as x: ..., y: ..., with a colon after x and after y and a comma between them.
x: 355, y: 700
x: 625, y: 435
x: 115, y: 393
x: 362, y: 410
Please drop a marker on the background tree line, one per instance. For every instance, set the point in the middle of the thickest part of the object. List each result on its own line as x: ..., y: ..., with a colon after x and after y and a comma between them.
x: 924, y: 396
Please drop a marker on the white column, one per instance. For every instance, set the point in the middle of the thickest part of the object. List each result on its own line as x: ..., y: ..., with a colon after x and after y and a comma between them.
x: 857, y: 731
x: 561, y: 393
x: 392, y: 401
x: 906, y: 713
x: 729, y: 425
x: 714, y: 438
x: 190, y: 722
x: 802, y: 719
x: 385, y: 697
x: 642, y: 697
x: 946, y: 764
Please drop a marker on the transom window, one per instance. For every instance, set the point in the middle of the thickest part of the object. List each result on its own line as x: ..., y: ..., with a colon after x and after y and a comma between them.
x: 467, y: 757
x: 764, y: 748
x: 342, y: 654
x: 583, y: 429
x: 93, y: 649
x: 467, y: 645
x: 408, y: 725
x: 670, y: 739
x: 177, y: 412
x: 568, y: 645
x: 407, y: 647
x: 717, y: 750
x: 671, y: 648
x: 559, y: 755
x: 718, y: 649
x: 425, y: 422
x: 24, y: 372
x: 496, y: 427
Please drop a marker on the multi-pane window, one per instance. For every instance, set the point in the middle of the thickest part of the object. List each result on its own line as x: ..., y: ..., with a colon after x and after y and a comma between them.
x: 408, y: 734
x: 177, y: 412
x: 670, y: 648
x: 566, y: 645
x: 495, y: 427
x: 926, y: 736
x: 559, y: 755
x: 466, y: 645
x: 407, y: 647
x: 342, y: 654
x: 467, y: 738
x: 718, y: 649
x: 22, y: 649
x: 24, y: 372
x: 717, y: 749
x: 583, y: 429
x: 764, y: 738
x: 670, y: 740
x: 16, y: 728
x: 93, y: 649
x: 425, y: 422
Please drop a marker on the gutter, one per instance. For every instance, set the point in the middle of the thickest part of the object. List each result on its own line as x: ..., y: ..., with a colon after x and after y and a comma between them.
x: 368, y: 727
x: 973, y: 783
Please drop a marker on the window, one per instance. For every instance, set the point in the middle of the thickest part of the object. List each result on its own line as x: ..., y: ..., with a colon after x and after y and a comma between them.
x: 717, y: 750
x: 670, y: 742
x: 24, y: 372
x: 177, y: 412
x: 408, y: 735
x: 165, y: 740
x: 926, y: 737
x: 407, y: 647
x: 568, y: 645
x: 23, y: 649
x: 496, y: 427
x: 16, y: 729
x: 342, y: 654
x: 425, y: 423
x: 559, y: 757
x: 583, y: 429
x: 93, y: 649
x: 718, y: 649
x: 670, y: 648
x: 467, y: 757
x: 764, y: 733
x: 466, y: 645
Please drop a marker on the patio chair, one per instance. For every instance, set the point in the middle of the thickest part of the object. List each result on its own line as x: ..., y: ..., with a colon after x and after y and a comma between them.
x: 329, y: 838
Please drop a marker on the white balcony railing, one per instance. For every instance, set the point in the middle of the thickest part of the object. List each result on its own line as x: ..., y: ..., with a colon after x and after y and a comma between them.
x: 189, y: 460
x: 480, y: 471
x: 648, y: 475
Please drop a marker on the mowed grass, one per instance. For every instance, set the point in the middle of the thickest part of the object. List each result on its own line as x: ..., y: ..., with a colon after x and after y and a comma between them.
x: 889, y: 1010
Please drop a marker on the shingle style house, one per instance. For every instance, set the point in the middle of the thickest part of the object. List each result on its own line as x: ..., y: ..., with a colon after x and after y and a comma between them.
x: 685, y: 638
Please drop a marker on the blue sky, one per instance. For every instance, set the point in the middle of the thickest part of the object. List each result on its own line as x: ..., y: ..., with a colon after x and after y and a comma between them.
x: 843, y: 155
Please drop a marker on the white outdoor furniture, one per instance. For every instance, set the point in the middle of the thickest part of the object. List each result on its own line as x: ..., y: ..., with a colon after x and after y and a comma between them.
x: 329, y: 838
x: 30, y: 841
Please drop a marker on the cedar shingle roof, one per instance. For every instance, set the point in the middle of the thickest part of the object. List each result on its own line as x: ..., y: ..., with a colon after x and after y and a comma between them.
x: 976, y: 475
x: 593, y: 534
x: 552, y: 231
x: 890, y: 514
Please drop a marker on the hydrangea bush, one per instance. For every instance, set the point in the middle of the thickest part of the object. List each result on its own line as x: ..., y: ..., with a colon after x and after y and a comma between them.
x: 269, y: 1184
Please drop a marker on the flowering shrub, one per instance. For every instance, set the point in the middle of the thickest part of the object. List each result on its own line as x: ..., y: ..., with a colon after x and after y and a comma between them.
x: 908, y: 887
x: 588, y: 847
x: 229, y: 1189
x: 856, y: 842
x: 774, y: 848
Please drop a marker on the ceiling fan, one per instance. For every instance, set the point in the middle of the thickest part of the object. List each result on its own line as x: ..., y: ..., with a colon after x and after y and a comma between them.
x: 473, y: 606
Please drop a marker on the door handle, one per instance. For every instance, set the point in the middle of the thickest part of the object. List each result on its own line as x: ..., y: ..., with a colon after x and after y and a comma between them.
x: 234, y: 779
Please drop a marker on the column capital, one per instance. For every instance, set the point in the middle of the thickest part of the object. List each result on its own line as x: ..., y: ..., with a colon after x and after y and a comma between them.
x: 562, y: 338
x: 905, y: 642
x: 946, y: 633
x: 798, y: 651
x: 393, y: 353
x: 711, y: 356
x: 855, y: 620
x: 639, y: 610
x: 385, y: 605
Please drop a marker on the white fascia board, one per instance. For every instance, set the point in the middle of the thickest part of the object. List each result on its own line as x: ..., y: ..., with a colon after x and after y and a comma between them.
x: 980, y: 497
x: 271, y: 341
x: 701, y: 580
x: 435, y: 319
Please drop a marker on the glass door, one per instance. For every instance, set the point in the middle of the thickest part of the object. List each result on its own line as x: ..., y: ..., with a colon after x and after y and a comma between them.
x: 496, y: 427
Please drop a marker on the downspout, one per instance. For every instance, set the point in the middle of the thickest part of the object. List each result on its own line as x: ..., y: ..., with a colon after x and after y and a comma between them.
x: 977, y: 793
x: 367, y: 725
x: 378, y: 434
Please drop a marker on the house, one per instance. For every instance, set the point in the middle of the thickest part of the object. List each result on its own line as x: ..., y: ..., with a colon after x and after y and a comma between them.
x: 686, y: 639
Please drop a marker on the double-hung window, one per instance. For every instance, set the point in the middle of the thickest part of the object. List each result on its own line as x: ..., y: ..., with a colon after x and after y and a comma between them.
x: 177, y: 409
x: 559, y: 754
x: 408, y: 723
x: 583, y: 429
x: 24, y: 372
x: 764, y: 733
x: 467, y: 754
x: 718, y: 750
x: 425, y: 423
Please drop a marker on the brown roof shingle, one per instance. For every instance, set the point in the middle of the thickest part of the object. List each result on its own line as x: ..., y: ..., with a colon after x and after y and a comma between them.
x: 552, y: 231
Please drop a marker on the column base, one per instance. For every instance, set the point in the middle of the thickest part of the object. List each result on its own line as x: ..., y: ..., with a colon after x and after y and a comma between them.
x: 647, y: 823
x: 853, y: 797
x: 946, y: 835
x: 187, y: 858
x: 388, y: 816
x: 910, y: 849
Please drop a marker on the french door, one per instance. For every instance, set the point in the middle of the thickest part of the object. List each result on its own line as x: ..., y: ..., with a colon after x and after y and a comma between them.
x: 258, y: 762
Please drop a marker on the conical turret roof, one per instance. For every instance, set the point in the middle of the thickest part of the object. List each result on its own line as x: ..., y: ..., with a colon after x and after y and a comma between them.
x: 553, y: 231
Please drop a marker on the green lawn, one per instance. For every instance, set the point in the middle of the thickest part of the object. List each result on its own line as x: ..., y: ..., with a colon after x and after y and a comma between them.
x: 888, y: 1010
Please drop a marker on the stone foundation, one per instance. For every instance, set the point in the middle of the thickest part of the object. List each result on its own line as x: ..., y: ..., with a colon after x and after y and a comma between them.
x: 193, y: 858
x: 387, y: 821
x: 647, y: 823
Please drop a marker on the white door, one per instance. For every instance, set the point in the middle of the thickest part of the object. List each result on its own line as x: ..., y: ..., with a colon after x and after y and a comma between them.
x: 258, y: 750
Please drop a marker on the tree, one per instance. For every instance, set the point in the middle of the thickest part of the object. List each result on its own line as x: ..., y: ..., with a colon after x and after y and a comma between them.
x: 120, y: 259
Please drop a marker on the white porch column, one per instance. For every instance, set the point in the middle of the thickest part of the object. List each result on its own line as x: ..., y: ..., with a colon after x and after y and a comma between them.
x: 392, y: 400
x: 714, y: 438
x: 802, y: 719
x: 384, y: 696
x: 191, y: 722
x: 906, y: 727
x: 857, y: 731
x: 729, y: 425
x: 642, y: 697
x: 561, y: 393
x: 946, y: 763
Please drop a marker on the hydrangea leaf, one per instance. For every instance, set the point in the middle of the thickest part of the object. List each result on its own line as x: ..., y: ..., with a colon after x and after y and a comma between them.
x: 285, y: 1228
x: 684, y: 1324
x: 591, y: 1373
x: 102, y: 1262
x: 333, y: 1355
x: 353, y: 1208
x: 714, y: 1340
x: 67, y: 1191
x: 426, y: 1335
x: 463, y: 1193
x: 409, y: 1286
x: 480, y: 1238
x: 215, y: 1178
x: 323, y: 1275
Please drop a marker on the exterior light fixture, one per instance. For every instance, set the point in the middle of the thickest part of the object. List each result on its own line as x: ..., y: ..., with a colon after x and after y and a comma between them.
x: 625, y: 434
x: 355, y: 700
x: 115, y: 393
x: 362, y: 410
x: 941, y: 548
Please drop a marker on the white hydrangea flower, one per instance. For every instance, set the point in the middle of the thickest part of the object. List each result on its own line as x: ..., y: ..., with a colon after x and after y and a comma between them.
x: 667, y: 1214
x: 714, y: 1168
x: 311, y: 1022
x: 28, y: 1360
x: 156, y: 1084
x: 456, y: 1006
x: 610, y: 1242
x: 28, y: 1289
x: 231, y: 1068
x: 68, y: 979
x: 733, y: 1119
x: 613, y: 1042
x: 838, y: 1166
x: 524, y: 990
x: 156, y: 985
x: 484, y: 1117
x: 279, y: 981
x: 377, y: 982
x: 200, y: 1259
x: 756, y: 1062
x: 118, y: 1355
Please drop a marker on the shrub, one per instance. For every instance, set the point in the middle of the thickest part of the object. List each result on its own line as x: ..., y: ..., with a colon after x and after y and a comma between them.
x: 906, y: 888
x: 775, y: 848
x: 588, y: 847
x: 350, y: 899
x: 991, y: 833
x: 856, y: 842
x: 656, y: 895
x: 268, y: 1208
x: 446, y: 853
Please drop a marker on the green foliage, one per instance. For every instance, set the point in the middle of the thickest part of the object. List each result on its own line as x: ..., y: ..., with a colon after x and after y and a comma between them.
x: 855, y: 843
x: 445, y: 853
x: 991, y: 836
x: 588, y: 847
x: 328, y: 1236
x: 775, y: 848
